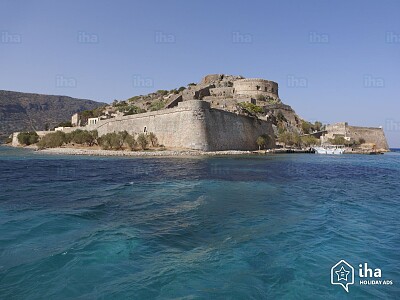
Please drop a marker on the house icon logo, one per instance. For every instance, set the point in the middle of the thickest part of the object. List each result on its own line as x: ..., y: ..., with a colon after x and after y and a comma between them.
x: 343, y: 274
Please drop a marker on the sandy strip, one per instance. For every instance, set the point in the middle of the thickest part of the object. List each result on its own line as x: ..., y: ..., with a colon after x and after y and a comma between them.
x: 93, y: 152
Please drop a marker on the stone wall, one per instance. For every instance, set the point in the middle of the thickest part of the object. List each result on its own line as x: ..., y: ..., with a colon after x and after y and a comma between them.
x: 191, y: 125
x: 227, y: 130
x: 371, y: 135
x: 255, y: 86
x: 15, y: 142
x: 221, y: 92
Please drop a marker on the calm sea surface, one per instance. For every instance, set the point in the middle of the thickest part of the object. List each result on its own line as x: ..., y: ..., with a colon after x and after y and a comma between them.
x: 268, y: 227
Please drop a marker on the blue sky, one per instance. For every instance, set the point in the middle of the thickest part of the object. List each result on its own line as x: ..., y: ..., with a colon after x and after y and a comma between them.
x: 333, y: 60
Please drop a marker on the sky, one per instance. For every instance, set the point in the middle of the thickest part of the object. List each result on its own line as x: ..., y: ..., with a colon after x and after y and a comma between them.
x: 333, y: 60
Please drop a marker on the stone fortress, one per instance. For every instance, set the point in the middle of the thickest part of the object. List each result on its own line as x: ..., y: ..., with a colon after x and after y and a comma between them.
x: 209, y: 116
x: 202, y: 117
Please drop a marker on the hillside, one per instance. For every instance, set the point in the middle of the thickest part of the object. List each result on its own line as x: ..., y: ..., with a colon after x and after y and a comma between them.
x: 25, y: 111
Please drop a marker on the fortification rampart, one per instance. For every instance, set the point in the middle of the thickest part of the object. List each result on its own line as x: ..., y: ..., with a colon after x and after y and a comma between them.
x: 191, y: 125
x: 370, y: 135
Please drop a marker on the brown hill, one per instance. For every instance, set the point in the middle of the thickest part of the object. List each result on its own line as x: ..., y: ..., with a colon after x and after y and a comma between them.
x: 25, y: 111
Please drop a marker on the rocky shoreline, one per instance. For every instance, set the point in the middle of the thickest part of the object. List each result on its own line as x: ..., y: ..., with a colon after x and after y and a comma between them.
x: 164, y: 153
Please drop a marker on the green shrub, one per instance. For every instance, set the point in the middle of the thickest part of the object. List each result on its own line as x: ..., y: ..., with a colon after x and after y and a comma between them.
x: 28, y: 138
x: 260, y: 98
x: 132, y: 110
x: 157, y: 105
x: 252, y: 108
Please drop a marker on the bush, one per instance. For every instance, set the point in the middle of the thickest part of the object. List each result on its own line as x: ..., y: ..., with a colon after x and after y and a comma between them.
x: 260, y: 98
x: 252, y: 108
x: 28, y: 138
x: 131, y: 110
x: 280, y: 117
x: 142, y: 141
x: 157, y: 105
x: 361, y: 141
x: 52, y: 140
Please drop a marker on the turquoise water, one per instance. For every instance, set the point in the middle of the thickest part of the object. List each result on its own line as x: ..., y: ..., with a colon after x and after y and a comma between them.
x: 268, y: 227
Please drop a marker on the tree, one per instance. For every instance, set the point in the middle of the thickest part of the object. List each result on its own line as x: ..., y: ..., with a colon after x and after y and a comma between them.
x: 317, y: 125
x: 338, y: 140
x: 142, y: 141
x: 309, y: 140
x: 52, y: 140
x: 305, y: 126
x: 65, y: 124
x: 261, y: 141
x: 285, y: 138
x: 153, y: 139
x: 28, y: 138
x: 131, y: 142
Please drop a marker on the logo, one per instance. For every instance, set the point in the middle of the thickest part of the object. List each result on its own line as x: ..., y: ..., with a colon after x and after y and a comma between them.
x: 343, y: 274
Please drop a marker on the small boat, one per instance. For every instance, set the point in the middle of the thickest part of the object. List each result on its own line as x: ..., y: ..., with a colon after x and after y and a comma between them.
x: 329, y: 150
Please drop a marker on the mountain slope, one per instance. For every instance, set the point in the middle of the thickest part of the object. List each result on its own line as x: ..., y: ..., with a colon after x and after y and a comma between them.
x: 25, y: 111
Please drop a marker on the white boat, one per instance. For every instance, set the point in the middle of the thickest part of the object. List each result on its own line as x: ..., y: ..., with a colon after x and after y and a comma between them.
x: 329, y: 150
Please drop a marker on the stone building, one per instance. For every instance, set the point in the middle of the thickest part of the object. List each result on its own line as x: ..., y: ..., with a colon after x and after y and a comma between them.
x: 371, y: 135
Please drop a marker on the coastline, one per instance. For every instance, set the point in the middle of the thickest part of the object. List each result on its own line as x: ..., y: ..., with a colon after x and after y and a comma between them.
x: 155, y: 153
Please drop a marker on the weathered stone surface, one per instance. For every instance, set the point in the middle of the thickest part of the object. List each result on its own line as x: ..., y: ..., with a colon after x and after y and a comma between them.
x: 191, y: 125
x: 256, y: 86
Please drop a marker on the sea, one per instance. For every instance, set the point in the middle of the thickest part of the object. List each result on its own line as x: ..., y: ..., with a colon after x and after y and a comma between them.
x: 232, y: 227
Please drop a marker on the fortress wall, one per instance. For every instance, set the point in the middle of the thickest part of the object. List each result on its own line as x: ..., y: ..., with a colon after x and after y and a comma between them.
x: 180, y: 127
x: 227, y: 130
x: 192, y: 125
x: 370, y: 135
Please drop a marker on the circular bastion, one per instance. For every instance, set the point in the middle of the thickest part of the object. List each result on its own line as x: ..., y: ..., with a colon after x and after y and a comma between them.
x: 252, y: 87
